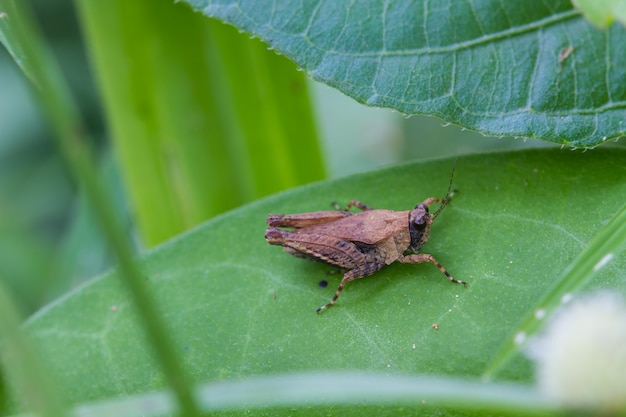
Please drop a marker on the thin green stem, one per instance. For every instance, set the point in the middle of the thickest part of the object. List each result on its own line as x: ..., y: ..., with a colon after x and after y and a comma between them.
x: 24, y: 42
x: 320, y: 390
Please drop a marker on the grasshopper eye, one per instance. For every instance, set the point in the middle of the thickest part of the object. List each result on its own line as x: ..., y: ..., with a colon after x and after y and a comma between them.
x: 419, y: 215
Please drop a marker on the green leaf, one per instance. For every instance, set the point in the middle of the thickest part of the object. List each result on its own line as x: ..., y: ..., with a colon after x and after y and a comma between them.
x: 518, y: 68
x: 208, y: 115
x: 606, y: 245
x: 237, y: 307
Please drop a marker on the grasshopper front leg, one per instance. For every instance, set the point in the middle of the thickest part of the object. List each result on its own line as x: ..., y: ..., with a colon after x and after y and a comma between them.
x: 424, y: 257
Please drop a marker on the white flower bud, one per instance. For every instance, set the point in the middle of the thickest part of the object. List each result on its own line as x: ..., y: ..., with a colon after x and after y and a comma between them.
x: 581, y: 356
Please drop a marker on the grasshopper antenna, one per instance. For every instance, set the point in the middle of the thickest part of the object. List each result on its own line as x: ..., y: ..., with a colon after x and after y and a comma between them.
x: 449, y: 194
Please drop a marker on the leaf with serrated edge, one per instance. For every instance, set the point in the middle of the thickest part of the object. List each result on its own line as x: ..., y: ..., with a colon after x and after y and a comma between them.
x: 497, y: 67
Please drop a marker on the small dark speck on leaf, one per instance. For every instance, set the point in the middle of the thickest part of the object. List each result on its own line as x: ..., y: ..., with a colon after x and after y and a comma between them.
x: 323, y: 284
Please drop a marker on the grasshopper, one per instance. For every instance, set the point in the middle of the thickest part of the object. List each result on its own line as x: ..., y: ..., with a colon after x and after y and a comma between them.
x: 361, y: 242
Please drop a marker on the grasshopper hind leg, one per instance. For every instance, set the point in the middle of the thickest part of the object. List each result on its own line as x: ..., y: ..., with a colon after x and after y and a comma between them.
x: 305, y: 255
x: 356, y: 273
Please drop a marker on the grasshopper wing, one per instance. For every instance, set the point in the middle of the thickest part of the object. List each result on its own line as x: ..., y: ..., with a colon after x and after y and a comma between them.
x: 302, y: 220
x: 369, y: 227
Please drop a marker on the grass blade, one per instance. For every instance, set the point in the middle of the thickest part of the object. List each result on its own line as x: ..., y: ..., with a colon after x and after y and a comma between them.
x: 210, y: 117
x: 606, y: 245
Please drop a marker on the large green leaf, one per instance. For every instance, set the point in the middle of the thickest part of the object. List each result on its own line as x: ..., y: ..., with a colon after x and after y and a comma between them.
x: 238, y: 307
x: 519, y: 68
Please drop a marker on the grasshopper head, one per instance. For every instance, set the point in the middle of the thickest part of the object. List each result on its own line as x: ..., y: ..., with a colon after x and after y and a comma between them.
x: 420, y: 219
x: 419, y: 226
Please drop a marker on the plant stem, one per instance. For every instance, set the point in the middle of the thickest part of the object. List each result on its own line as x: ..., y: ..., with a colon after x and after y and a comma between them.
x: 21, y: 37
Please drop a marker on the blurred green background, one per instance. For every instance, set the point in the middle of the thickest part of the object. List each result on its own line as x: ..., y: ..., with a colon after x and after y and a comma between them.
x: 188, y: 118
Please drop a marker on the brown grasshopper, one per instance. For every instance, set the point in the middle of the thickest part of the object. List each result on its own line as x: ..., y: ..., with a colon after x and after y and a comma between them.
x: 361, y: 242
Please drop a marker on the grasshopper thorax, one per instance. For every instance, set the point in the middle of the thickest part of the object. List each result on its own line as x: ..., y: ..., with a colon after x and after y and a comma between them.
x: 419, y: 226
